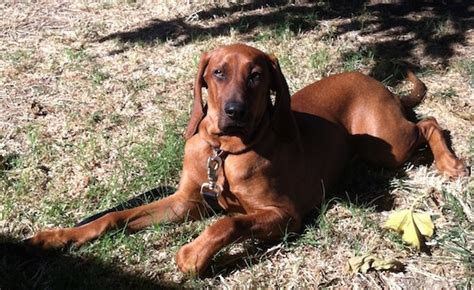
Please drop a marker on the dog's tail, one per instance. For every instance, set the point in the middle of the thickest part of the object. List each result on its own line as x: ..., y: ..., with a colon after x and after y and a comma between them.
x: 417, y: 94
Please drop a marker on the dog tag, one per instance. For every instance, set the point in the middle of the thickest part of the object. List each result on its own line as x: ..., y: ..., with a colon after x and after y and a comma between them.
x: 210, y: 195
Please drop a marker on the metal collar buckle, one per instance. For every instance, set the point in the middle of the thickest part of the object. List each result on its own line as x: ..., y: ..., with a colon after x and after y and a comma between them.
x: 210, y: 190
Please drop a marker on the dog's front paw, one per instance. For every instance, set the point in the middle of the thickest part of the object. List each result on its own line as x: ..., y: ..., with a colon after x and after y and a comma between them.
x: 191, y: 260
x: 49, y: 239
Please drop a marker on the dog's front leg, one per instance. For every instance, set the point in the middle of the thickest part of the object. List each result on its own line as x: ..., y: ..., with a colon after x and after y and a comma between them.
x: 185, y: 204
x: 265, y: 224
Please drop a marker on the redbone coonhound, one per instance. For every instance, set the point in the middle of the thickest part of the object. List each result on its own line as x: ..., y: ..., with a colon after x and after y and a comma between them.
x: 268, y: 163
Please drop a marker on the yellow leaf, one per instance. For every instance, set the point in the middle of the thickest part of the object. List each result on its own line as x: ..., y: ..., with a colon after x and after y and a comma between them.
x: 413, y: 226
x: 424, y: 223
x: 370, y: 262
x: 388, y: 265
x: 355, y: 263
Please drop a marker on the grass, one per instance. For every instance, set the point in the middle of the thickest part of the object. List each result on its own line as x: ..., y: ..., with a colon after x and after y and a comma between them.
x: 98, y: 76
x: 466, y: 66
x: 355, y: 60
x: 112, y: 129
x: 75, y: 55
x: 447, y: 94
x: 17, y: 57
x: 320, y: 59
x: 454, y: 205
x: 162, y: 163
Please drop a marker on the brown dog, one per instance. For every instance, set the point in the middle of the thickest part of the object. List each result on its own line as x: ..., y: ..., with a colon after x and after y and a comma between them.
x: 271, y: 163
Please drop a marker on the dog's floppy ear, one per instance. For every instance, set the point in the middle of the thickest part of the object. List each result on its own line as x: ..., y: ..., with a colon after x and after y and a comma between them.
x: 198, y: 108
x: 282, y: 118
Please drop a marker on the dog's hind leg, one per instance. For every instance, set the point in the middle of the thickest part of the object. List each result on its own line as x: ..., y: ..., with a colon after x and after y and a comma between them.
x: 446, y: 162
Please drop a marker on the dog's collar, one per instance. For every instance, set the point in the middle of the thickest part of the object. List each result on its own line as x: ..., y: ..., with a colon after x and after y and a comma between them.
x: 211, y: 190
x: 218, y: 152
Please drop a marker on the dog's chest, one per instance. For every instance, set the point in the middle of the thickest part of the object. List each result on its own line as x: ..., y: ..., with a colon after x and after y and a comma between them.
x: 245, y: 168
x: 243, y: 177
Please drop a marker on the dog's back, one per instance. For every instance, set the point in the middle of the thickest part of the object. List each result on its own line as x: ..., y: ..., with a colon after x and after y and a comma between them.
x: 365, y: 108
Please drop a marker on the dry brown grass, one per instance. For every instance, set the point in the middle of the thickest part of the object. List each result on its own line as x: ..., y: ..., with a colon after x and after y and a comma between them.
x: 80, y: 116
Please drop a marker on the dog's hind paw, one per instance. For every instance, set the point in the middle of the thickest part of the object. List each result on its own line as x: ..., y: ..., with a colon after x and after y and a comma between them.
x: 454, y: 168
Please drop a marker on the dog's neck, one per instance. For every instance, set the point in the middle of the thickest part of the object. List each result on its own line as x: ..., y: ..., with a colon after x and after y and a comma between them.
x: 235, y: 144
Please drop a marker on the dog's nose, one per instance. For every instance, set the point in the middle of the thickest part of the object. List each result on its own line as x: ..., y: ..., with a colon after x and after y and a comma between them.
x: 235, y: 110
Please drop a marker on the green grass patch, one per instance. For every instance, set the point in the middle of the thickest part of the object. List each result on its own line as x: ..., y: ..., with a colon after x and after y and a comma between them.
x: 147, y: 164
x: 354, y: 60
x: 96, y: 117
x: 360, y: 213
x: 25, y: 173
x: 17, y: 57
x: 75, y: 55
x: 115, y: 118
x: 436, y: 27
x: 9, y: 162
x: 469, y: 67
x: 162, y: 162
x: 446, y: 94
x: 98, y: 76
x: 466, y: 67
x: 396, y: 240
x: 282, y: 31
x: 264, y: 35
x: 320, y: 60
x: 137, y: 85
x: 116, y: 243
x: 319, y: 232
x: 453, y: 206
x: 457, y: 240
x: 310, y: 237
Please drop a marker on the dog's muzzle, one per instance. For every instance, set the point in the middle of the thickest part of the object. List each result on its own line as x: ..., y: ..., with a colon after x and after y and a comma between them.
x: 236, y: 111
x: 235, y: 118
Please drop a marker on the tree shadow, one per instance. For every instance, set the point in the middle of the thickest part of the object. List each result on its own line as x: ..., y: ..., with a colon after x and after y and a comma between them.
x: 410, y: 30
x: 25, y: 267
x: 183, y: 30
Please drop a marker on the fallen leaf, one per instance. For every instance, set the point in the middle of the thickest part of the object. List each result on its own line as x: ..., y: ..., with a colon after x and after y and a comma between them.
x: 413, y: 226
x: 388, y: 265
x: 368, y: 262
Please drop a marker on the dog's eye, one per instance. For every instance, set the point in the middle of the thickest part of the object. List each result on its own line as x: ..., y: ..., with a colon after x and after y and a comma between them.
x: 219, y: 74
x: 254, y: 78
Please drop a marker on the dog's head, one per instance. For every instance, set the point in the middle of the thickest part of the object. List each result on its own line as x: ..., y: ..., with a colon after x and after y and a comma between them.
x: 239, y: 80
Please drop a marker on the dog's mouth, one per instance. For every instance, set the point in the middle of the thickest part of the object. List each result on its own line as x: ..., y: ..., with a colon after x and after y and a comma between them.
x: 235, y: 129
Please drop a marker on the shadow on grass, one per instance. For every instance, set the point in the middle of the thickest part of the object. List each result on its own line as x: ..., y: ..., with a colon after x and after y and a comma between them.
x: 414, y: 30
x: 428, y: 29
x: 24, y: 267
